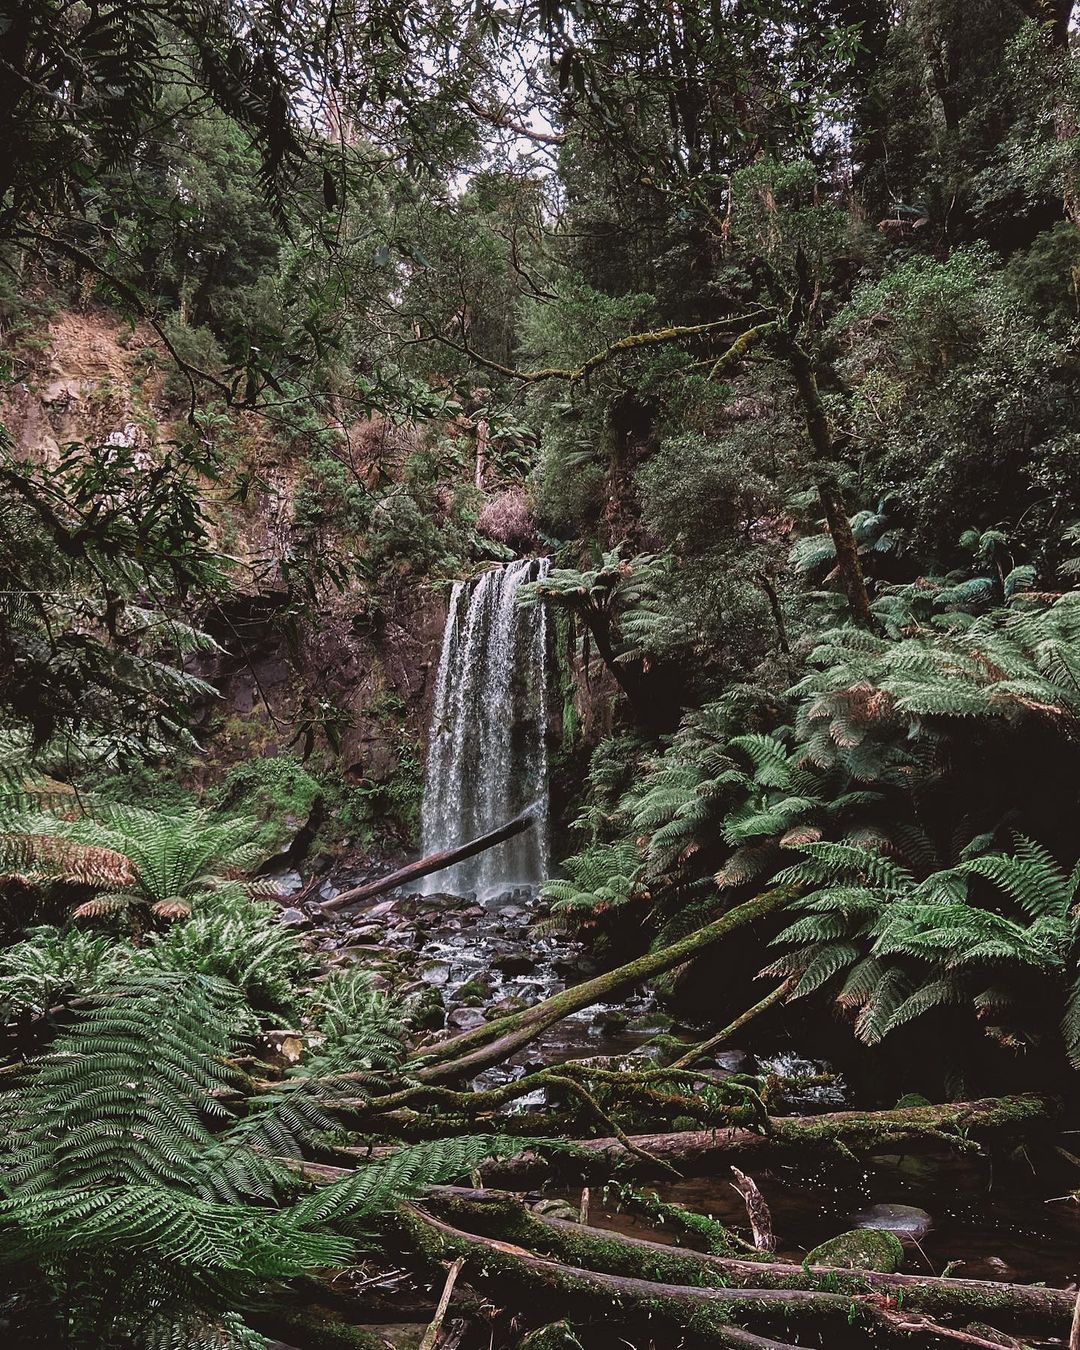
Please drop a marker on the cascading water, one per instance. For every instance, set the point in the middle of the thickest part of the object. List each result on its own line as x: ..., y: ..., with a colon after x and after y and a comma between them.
x: 487, y: 747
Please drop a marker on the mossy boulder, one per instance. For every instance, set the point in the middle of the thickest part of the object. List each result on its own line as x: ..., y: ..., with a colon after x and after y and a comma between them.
x: 861, y: 1249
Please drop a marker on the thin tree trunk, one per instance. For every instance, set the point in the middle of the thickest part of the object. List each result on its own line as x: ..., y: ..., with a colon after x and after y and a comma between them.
x: 431, y: 1336
x: 699, y: 1052
x: 435, y: 862
x: 821, y: 440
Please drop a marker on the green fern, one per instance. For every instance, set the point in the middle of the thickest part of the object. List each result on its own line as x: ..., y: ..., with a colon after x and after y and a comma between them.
x: 140, y: 1207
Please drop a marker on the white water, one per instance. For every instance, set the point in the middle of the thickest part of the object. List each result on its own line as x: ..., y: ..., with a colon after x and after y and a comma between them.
x: 487, y: 745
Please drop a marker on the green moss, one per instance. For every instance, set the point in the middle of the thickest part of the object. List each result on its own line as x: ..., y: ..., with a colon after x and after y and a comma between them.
x: 277, y: 791
x: 555, y: 1336
x: 860, y: 1249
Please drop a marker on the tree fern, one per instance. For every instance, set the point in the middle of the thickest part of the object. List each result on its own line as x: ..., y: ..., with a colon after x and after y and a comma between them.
x: 601, y: 875
x: 908, y: 946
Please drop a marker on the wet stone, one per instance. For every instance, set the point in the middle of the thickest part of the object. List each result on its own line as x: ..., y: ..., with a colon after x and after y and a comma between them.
x: 294, y: 918
x: 513, y: 963
x: 464, y: 1019
x: 435, y: 972
x: 908, y: 1222
x: 287, y: 883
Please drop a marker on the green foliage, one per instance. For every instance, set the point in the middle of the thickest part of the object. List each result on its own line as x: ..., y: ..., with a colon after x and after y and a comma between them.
x: 277, y: 791
x: 48, y: 965
x: 906, y: 946
x: 137, y: 1206
x: 601, y: 876
x: 177, y: 858
x: 233, y: 938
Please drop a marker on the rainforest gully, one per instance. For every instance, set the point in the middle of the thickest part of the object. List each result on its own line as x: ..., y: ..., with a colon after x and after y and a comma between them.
x: 539, y: 674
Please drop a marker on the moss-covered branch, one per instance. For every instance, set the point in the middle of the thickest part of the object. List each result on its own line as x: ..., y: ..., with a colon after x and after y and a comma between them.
x: 839, y: 1134
x: 499, y: 1214
x: 632, y: 342
x: 467, y: 1054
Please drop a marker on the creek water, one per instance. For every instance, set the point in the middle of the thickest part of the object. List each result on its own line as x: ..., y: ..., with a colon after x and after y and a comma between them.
x: 477, y: 940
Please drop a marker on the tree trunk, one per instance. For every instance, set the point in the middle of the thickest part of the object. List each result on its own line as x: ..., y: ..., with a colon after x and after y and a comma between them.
x: 434, y: 862
x: 821, y: 440
x: 618, y: 671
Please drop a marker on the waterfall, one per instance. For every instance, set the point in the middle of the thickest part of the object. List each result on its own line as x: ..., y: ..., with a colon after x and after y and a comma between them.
x: 487, y: 746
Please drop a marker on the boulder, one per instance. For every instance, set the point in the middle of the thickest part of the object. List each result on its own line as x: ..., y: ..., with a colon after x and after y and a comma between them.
x: 861, y: 1249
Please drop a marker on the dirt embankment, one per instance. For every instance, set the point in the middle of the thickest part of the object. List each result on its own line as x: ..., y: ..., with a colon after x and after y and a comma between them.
x: 366, y: 666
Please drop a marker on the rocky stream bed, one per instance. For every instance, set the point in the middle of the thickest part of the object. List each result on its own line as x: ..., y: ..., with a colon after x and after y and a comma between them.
x: 462, y: 959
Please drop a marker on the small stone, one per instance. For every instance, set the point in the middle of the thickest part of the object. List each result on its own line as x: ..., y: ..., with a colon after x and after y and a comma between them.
x: 513, y: 963
x: 464, y: 1019
x: 908, y: 1222
x: 553, y: 1208
x: 287, y: 883
x: 294, y: 918
x: 862, y: 1249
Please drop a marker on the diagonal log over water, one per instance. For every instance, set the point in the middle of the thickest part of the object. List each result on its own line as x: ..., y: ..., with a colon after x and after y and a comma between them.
x: 467, y: 1054
x: 437, y: 862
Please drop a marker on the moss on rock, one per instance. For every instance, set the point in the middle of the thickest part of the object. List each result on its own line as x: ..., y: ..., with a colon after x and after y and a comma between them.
x: 861, y: 1249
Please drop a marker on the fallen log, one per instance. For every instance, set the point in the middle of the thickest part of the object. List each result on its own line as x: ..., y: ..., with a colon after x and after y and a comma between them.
x: 504, y: 1215
x: 435, y: 862
x: 710, y: 1315
x: 840, y: 1133
x: 515, y: 1274
x: 472, y: 1051
x: 698, y: 1052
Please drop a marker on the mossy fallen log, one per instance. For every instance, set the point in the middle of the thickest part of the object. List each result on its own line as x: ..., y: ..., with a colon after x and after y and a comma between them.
x: 520, y: 1278
x: 702, y: 1314
x: 837, y: 1134
x: 472, y: 1051
x: 504, y: 1215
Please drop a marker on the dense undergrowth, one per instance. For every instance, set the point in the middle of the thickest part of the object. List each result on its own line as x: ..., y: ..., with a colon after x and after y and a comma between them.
x: 762, y: 321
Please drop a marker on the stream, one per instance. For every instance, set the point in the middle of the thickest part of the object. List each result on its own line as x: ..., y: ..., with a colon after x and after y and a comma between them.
x: 457, y: 956
x: 477, y: 941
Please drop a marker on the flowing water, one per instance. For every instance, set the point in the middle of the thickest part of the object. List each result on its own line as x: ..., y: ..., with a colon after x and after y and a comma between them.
x: 487, y: 747
x: 473, y: 942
